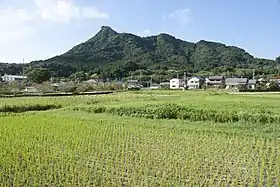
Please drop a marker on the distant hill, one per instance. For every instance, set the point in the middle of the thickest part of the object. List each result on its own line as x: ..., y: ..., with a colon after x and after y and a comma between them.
x: 116, y: 54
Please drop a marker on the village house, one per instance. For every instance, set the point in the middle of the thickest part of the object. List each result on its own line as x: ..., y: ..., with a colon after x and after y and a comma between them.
x: 235, y: 82
x: 12, y: 78
x: 195, y: 82
x: 215, y: 81
x: 275, y: 79
x: 252, y: 84
x: 177, y: 83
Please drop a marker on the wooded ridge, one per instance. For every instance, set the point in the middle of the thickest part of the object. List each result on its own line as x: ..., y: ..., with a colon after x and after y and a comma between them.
x: 110, y: 54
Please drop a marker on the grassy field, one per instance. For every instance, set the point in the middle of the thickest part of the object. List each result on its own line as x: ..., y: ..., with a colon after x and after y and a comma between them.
x: 151, y: 138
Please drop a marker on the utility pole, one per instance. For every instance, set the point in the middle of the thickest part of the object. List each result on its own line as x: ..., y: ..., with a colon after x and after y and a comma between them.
x: 140, y: 76
x: 22, y: 81
x: 177, y: 75
x: 23, y: 67
x: 277, y: 68
x: 185, y: 80
x: 253, y: 74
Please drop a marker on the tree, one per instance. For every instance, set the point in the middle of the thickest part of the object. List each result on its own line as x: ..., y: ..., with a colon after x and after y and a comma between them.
x: 5, y: 89
x: 78, y: 76
x: 15, y: 87
x: 273, y: 85
x: 277, y: 60
x: 67, y: 87
x: 39, y: 75
x: 45, y: 87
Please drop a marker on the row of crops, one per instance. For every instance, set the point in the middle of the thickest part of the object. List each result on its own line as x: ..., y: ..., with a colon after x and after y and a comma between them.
x: 53, y: 150
x: 175, y: 111
x: 25, y: 108
x: 141, y: 139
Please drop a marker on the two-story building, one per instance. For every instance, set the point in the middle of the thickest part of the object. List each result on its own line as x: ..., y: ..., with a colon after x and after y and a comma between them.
x: 195, y: 82
x: 177, y: 83
x: 215, y: 81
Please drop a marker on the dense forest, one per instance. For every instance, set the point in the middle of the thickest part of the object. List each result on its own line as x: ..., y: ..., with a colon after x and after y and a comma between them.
x: 117, y: 55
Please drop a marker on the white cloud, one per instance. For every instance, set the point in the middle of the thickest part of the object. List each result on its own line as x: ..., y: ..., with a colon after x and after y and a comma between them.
x: 17, y: 24
x: 93, y: 13
x: 65, y: 11
x: 14, y: 24
x: 144, y: 33
x: 147, y: 32
x: 182, y: 16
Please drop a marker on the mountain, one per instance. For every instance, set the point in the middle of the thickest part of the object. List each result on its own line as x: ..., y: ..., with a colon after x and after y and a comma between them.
x: 116, y: 54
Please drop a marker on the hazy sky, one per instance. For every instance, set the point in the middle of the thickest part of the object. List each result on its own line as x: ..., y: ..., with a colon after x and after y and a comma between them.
x: 39, y: 29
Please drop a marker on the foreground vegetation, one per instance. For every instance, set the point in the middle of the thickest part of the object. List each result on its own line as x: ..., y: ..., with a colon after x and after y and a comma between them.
x: 109, y: 140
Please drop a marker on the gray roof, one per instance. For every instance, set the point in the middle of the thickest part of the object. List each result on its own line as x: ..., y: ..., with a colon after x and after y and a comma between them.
x: 92, y: 81
x: 236, y: 81
x: 165, y: 83
x: 216, y: 77
x: 155, y: 84
x: 132, y: 81
x: 252, y: 81
x: 199, y: 77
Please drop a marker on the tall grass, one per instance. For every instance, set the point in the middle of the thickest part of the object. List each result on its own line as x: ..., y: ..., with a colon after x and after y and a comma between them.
x: 25, y: 108
x: 174, y: 111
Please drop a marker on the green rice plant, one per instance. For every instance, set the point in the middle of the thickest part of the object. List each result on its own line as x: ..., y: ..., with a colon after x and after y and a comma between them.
x: 208, y: 140
x: 174, y: 111
x: 25, y: 108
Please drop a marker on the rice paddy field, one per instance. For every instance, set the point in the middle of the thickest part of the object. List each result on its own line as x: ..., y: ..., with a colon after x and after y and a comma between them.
x: 145, y: 138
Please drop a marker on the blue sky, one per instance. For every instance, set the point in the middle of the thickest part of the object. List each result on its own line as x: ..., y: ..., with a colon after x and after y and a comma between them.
x: 39, y: 29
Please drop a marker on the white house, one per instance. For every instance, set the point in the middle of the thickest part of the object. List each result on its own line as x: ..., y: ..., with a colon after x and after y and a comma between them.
x: 195, y: 82
x: 252, y: 84
x: 11, y: 78
x: 177, y: 83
